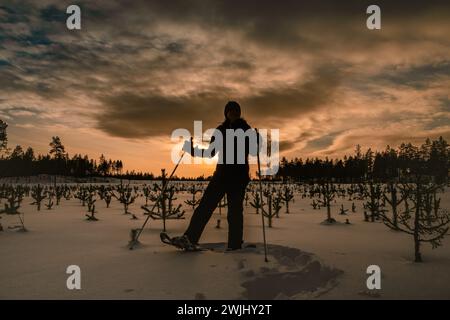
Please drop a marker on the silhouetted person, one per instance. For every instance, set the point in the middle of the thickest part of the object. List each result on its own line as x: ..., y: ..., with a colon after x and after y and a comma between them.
x: 229, y: 178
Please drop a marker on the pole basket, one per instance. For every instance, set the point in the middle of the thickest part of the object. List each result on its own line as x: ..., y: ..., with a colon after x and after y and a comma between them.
x: 133, y: 239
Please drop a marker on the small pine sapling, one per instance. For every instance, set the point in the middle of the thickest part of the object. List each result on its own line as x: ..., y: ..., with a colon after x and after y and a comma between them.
x: 165, y: 200
x: 287, y: 196
x: 37, y: 193
x: 269, y: 213
x: 276, y: 202
x: 50, y: 203
x: 394, y: 201
x: 126, y: 196
x: 416, y: 222
x: 147, y: 191
x: 14, y: 197
x: 107, y: 198
x: 59, y: 193
x: 374, y: 204
x: 193, y: 190
x: 256, y: 203
x: 90, y: 216
x: 82, y: 195
x: 327, y: 192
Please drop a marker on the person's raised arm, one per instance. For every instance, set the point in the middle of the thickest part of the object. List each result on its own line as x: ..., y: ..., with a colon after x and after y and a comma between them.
x: 209, y: 152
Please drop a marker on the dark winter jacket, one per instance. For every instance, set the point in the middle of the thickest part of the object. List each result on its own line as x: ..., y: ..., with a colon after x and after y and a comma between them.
x: 234, y: 171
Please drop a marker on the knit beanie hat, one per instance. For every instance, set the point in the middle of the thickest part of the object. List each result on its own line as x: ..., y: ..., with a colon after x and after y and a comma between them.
x: 232, y: 105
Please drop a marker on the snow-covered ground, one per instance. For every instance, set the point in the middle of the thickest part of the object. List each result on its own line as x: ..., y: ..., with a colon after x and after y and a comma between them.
x: 306, y: 259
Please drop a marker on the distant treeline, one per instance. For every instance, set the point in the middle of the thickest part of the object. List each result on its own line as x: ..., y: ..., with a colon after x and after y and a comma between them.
x: 431, y: 159
x: 24, y: 163
x: 20, y: 163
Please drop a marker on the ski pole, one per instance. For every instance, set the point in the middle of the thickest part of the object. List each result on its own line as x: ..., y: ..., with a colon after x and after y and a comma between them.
x: 261, y: 196
x: 135, y: 239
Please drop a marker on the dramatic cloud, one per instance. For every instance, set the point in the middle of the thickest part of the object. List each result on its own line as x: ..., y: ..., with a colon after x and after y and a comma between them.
x: 138, y: 70
x: 137, y: 116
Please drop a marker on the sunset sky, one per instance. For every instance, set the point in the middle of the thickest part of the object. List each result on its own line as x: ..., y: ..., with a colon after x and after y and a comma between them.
x: 137, y: 70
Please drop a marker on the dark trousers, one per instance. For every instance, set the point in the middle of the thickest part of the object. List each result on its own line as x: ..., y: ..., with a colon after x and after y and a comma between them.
x: 216, y: 189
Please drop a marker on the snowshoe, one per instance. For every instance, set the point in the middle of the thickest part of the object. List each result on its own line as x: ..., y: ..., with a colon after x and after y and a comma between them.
x: 181, y: 242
